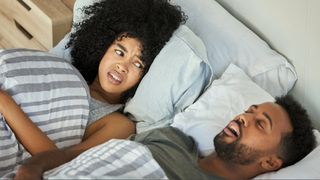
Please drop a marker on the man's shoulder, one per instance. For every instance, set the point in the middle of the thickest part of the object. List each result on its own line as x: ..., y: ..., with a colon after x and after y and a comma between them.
x: 164, y: 135
x: 168, y: 132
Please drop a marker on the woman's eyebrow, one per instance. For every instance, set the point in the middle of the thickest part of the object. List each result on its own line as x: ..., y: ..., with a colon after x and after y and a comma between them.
x: 125, y: 50
x: 122, y: 47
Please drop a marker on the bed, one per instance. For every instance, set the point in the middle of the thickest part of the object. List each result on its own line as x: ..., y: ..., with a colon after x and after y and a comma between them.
x: 227, y: 45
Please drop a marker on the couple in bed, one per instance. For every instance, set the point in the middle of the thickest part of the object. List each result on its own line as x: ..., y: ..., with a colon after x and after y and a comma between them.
x: 113, y: 57
x: 264, y: 138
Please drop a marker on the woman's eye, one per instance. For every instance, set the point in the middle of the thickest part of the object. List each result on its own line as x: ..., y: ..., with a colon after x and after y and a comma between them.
x: 119, y: 52
x: 138, y: 65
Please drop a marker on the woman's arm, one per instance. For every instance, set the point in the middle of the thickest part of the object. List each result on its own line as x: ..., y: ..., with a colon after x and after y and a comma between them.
x: 113, y: 126
x: 29, y: 135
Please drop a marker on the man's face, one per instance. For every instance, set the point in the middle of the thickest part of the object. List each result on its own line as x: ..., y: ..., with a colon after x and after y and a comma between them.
x: 251, y: 135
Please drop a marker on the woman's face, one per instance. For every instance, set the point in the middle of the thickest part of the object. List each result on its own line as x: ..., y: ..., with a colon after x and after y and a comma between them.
x: 121, y: 67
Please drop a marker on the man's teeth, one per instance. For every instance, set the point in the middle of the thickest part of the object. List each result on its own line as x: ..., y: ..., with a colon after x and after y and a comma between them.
x: 234, y: 132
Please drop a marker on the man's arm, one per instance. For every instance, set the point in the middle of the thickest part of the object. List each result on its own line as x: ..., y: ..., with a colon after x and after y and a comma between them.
x: 29, y: 135
x: 113, y: 126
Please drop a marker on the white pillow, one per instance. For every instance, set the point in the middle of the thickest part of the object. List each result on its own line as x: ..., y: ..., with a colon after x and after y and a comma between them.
x: 175, y: 79
x: 50, y: 91
x: 229, y: 41
x: 227, y: 97
x: 307, y: 168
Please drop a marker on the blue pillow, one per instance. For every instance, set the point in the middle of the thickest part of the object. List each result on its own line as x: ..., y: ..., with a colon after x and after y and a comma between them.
x: 178, y: 75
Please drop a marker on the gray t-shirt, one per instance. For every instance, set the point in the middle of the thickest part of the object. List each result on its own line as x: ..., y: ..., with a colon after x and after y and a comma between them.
x: 175, y: 152
x: 100, y: 109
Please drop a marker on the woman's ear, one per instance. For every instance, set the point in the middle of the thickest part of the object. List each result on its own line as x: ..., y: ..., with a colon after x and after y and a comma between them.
x: 271, y: 163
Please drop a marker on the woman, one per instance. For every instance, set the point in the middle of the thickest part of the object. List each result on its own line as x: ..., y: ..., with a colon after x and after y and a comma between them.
x: 112, y: 49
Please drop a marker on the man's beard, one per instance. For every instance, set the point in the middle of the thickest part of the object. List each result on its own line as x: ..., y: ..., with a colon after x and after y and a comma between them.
x: 235, y: 152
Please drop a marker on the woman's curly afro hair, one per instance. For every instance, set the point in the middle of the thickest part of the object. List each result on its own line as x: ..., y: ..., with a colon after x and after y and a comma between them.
x: 152, y: 22
x: 297, y: 144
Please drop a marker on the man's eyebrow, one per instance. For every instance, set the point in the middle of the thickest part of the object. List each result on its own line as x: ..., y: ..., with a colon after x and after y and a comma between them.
x: 122, y: 47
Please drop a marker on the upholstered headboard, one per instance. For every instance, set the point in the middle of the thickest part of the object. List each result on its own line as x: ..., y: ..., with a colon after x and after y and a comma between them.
x: 292, y: 28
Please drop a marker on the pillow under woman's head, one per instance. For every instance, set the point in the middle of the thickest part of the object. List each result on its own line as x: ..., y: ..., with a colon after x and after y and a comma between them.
x: 178, y: 75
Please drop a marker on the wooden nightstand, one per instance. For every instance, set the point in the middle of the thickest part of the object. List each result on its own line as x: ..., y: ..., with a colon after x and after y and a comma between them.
x: 34, y: 24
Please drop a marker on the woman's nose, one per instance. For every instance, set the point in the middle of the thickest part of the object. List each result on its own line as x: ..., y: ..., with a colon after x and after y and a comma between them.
x: 122, y: 67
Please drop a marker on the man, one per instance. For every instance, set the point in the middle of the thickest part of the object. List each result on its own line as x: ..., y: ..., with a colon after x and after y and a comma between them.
x: 265, y: 138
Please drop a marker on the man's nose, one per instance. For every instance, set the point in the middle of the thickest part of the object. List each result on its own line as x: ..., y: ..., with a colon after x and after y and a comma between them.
x: 244, y: 120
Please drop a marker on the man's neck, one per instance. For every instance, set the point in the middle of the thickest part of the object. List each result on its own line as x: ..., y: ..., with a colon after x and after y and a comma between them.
x: 213, y: 164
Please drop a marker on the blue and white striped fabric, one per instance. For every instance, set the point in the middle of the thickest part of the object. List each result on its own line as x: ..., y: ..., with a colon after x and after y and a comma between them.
x: 115, y: 159
x: 50, y: 91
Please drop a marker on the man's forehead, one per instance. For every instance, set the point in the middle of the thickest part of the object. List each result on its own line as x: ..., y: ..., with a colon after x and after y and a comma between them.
x: 276, y: 112
x: 268, y: 106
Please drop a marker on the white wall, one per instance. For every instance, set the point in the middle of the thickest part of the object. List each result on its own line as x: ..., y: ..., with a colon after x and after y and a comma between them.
x: 292, y: 27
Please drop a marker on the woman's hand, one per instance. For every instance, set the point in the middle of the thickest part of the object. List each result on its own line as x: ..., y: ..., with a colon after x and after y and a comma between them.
x: 114, y: 125
x: 27, y: 171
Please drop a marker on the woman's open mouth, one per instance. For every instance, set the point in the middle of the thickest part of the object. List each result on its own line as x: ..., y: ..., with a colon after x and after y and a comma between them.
x: 114, y: 77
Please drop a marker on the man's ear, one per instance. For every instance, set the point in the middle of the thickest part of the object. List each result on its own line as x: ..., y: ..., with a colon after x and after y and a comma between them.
x: 271, y: 163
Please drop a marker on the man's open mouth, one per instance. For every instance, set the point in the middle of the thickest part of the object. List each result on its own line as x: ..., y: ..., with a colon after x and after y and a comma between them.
x: 233, y: 129
x: 234, y: 132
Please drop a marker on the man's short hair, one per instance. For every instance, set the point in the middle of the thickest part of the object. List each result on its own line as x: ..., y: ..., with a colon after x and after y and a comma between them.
x: 300, y: 142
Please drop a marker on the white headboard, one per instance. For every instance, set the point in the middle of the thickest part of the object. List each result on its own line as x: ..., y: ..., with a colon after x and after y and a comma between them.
x: 291, y: 27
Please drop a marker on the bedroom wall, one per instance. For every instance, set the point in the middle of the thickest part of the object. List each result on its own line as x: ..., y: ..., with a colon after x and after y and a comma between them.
x: 292, y: 27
